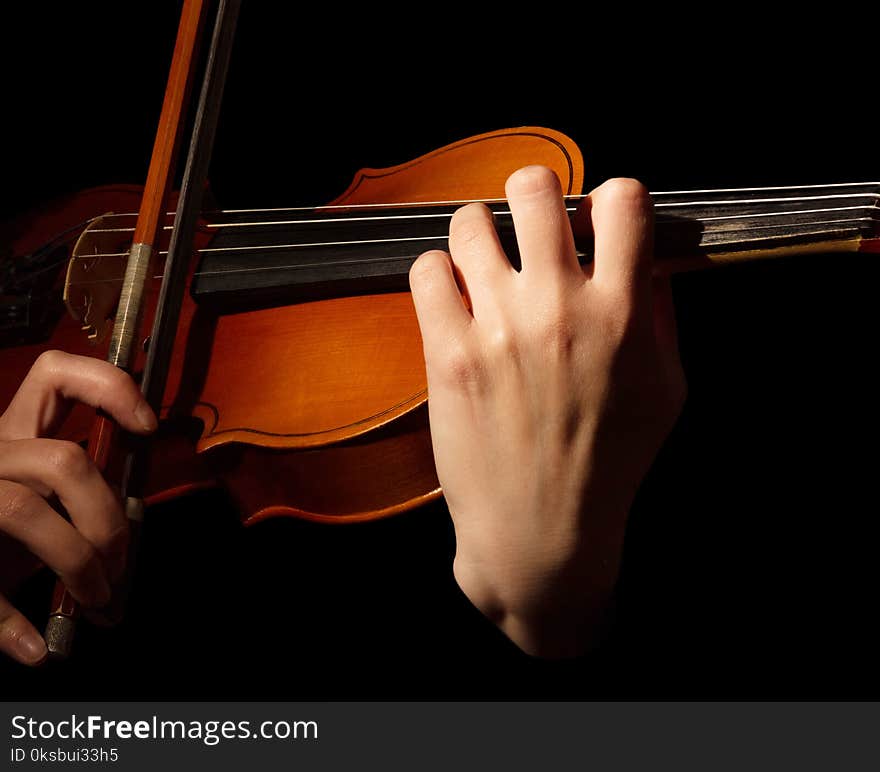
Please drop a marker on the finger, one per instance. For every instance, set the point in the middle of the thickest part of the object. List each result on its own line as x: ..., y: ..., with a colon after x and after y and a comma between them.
x: 543, y: 230
x: 56, y: 467
x: 26, y: 517
x: 440, y: 308
x: 478, y: 256
x: 622, y: 215
x: 57, y: 379
x: 18, y: 637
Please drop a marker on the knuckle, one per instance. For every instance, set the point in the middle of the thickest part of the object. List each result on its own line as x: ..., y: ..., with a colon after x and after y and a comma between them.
x: 461, y: 366
x: 532, y: 179
x: 68, y: 459
x: 50, y: 361
x: 501, y: 342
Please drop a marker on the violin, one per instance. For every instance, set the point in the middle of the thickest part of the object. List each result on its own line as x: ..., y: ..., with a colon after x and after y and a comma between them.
x: 296, y: 380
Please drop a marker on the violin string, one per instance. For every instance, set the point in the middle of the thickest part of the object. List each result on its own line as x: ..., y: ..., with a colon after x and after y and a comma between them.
x: 506, y: 213
x: 435, y: 215
x: 497, y: 213
x: 361, y: 242
x: 446, y: 215
x: 864, y: 189
x: 399, y: 258
x: 865, y: 186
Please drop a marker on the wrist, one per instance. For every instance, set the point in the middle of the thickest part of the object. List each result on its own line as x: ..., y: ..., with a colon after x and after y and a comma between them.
x: 547, y: 620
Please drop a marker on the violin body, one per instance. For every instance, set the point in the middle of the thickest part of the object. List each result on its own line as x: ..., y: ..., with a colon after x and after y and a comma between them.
x: 315, y: 409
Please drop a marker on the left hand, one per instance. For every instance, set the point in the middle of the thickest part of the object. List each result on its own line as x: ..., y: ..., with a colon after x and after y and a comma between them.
x: 548, y: 399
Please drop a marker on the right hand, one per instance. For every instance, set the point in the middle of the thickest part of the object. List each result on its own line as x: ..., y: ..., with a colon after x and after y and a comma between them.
x: 88, y: 551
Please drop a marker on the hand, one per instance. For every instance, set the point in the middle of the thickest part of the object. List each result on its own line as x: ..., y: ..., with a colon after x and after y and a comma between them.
x: 88, y: 552
x: 551, y: 391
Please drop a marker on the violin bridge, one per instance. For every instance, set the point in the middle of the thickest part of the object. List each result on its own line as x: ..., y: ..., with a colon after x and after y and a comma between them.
x: 94, y: 275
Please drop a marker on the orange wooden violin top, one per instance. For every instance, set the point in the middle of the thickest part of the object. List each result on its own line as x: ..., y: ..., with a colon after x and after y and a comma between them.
x: 314, y: 409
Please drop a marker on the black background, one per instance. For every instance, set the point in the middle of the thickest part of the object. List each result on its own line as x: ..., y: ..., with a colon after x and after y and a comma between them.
x: 749, y: 562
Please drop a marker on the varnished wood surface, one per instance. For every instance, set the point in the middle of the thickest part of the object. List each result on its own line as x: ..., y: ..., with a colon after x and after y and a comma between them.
x: 327, y: 375
x: 165, y: 145
x: 461, y: 170
x: 313, y: 410
x: 317, y: 409
x: 336, y: 369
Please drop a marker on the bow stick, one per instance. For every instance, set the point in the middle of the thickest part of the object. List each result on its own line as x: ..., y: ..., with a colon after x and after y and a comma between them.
x: 180, y: 249
x: 64, y: 611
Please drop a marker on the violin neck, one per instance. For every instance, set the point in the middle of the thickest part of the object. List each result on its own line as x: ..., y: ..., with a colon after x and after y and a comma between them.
x: 699, y: 228
x: 279, y: 255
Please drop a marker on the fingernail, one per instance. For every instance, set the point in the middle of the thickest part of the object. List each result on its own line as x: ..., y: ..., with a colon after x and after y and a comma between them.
x: 145, y: 415
x: 31, y: 647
